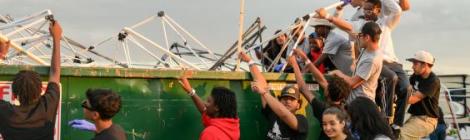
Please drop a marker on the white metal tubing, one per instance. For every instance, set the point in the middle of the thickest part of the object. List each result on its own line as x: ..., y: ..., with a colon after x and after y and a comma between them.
x: 25, y: 27
x: 29, y: 54
x: 128, y: 30
x: 166, y: 38
x: 240, y: 33
x: 126, y: 54
x: 449, y: 100
x: 274, y: 37
x: 184, y: 39
x: 30, y: 38
x: 174, y: 29
x: 143, y: 22
x: 304, y: 27
x: 21, y: 20
x: 191, y: 36
x: 133, y: 40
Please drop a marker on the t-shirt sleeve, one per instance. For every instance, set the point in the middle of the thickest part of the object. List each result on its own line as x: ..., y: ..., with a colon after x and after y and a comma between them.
x: 302, y: 123
x: 317, y: 108
x: 206, y: 120
x: 332, y: 44
x: 364, y: 70
x: 267, y: 112
x: 52, y: 97
x: 430, y: 88
x: 52, y: 92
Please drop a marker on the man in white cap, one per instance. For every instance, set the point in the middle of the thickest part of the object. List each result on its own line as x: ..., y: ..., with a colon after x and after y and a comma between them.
x: 424, y: 100
x: 336, y: 47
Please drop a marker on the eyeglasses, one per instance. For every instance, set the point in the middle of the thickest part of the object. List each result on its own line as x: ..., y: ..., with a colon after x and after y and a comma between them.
x: 84, y: 105
x: 359, y: 35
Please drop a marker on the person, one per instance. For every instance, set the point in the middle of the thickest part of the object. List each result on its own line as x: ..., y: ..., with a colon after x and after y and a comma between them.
x: 424, y: 108
x: 219, y: 113
x: 100, y: 107
x: 336, y: 89
x: 440, y: 132
x: 316, y: 48
x: 365, y: 78
x: 34, y: 118
x: 334, y: 124
x: 271, y: 51
x: 386, y: 14
x: 283, y: 123
x: 367, y: 123
x: 337, y: 48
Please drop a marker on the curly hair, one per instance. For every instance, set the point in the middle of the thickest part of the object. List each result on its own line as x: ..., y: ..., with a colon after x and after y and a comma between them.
x: 105, y: 101
x: 338, y: 89
x: 27, y: 87
x: 226, y: 101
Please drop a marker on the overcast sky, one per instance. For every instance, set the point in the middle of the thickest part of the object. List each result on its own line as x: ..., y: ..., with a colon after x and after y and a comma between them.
x: 439, y: 26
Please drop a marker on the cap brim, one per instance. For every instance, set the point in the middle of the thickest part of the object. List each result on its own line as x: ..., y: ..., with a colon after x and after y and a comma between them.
x: 289, y: 95
x: 411, y: 59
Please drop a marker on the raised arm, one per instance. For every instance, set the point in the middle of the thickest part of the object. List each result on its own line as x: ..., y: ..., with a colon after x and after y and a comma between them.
x: 338, y: 21
x: 319, y: 78
x: 255, y: 73
x: 280, y: 110
x: 191, y: 92
x: 393, y: 17
x: 56, y: 33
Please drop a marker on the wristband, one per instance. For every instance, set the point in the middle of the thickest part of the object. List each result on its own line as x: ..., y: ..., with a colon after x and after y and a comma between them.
x: 251, y: 62
x: 308, y: 62
x: 192, y: 92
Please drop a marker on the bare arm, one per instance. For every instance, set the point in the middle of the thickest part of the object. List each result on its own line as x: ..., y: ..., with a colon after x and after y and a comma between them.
x: 320, y: 59
x: 300, y: 80
x: 415, y: 97
x: 393, y: 18
x: 319, y: 78
x: 56, y: 33
x: 255, y: 73
x: 280, y: 110
x: 354, y: 81
x: 201, y: 107
x: 4, y: 46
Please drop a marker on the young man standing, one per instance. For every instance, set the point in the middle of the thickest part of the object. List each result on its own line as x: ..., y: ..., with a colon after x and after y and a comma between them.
x: 219, y: 113
x: 35, y: 117
x: 424, y: 100
x: 282, y: 120
x: 100, y: 107
x: 365, y: 78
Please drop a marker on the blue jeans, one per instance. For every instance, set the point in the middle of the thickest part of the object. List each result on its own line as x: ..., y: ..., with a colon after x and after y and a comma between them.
x: 439, y: 133
x: 398, y: 84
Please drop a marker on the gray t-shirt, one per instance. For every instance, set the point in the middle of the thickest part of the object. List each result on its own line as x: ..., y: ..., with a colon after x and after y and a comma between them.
x: 338, y: 49
x: 368, y: 68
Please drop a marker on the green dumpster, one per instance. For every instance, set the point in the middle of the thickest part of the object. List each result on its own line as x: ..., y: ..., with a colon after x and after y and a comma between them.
x: 154, y: 104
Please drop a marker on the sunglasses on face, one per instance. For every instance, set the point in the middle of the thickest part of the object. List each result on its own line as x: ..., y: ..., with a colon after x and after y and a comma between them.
x: 84, y: 105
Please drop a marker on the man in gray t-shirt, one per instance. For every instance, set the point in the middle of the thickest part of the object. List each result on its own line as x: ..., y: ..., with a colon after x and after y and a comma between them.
x: 368, y: 68
x: 337, y: 48
x: 367, y: 71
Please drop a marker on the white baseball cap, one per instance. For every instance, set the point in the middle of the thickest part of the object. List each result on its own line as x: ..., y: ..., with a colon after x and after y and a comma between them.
x: 322, y: 22
x: 422, y: 56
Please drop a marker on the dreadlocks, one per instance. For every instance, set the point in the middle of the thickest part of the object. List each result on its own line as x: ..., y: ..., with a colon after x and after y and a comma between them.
x: 226, y: 101
x: 27, y: 87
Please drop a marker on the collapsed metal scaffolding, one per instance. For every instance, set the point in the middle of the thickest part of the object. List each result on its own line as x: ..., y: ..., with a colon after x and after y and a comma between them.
x: 138, y: 46
x: 31, y: 42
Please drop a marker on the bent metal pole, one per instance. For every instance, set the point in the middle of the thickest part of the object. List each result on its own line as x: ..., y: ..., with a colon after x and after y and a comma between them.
x: 306, y: 23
